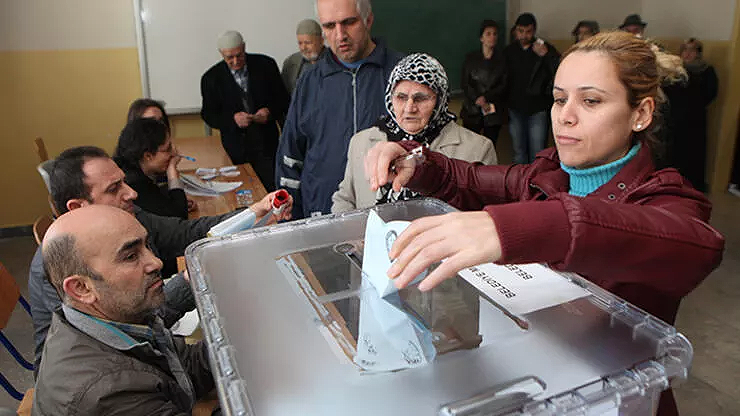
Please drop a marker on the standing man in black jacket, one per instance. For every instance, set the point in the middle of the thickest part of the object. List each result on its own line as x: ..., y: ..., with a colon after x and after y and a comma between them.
x: 243, y: 96
x: 531, y: 65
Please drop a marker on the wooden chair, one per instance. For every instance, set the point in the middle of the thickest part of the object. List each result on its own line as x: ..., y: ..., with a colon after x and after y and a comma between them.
x: 44, y: 169
x: 40, y: 226
x: 9, y: 296
x: 40, y: 148
x: 24, y: 409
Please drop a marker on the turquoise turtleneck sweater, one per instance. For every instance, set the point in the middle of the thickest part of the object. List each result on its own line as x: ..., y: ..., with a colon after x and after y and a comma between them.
x: 585, y: 181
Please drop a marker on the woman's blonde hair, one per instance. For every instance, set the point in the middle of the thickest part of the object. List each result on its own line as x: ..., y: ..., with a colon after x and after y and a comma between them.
x: 642, y: 67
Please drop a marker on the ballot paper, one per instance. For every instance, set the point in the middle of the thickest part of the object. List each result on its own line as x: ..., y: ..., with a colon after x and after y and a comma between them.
x: 522, y: 288
x: 389, y: 337
x: 379, y: 238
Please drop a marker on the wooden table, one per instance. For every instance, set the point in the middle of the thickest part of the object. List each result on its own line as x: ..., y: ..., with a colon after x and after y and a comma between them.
x: 209, y: 153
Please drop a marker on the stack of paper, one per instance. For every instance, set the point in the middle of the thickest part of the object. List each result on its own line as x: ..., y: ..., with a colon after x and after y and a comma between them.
x: 192, y: 185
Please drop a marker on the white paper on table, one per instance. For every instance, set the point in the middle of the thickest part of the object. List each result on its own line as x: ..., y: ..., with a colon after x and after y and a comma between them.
x: 192, y: 183
x: 379, y: 238
x: 522, y: 288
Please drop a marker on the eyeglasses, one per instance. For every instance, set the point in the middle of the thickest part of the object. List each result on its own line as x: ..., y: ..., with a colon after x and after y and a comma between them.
x: 167, y: 149
x: 418, y: 98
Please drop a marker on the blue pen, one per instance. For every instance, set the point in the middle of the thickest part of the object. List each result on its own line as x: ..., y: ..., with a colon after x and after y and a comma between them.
x: 192, y: 159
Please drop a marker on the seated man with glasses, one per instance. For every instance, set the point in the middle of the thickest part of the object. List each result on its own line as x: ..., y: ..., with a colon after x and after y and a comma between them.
x: 417, y: 98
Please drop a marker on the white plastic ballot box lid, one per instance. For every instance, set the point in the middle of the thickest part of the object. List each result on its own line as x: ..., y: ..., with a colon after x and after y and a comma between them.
x: 282, y: 335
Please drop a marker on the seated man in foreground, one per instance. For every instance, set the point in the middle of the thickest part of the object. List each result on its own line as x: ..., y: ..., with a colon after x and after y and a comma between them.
x: 86, y: 175
x: 107, y: 350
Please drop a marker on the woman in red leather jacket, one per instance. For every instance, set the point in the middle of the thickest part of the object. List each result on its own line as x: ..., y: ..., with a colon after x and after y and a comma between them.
x: 594, y: 205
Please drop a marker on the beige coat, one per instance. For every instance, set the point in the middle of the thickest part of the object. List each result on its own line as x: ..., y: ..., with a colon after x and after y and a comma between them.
x: 453, y: 141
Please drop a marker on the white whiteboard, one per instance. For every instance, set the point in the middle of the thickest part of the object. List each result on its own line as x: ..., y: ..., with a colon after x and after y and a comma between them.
x: 177, y: 40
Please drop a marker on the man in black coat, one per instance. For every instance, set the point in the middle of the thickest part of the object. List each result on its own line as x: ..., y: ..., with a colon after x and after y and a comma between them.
x: 531, y: 64
x: 243, y: 96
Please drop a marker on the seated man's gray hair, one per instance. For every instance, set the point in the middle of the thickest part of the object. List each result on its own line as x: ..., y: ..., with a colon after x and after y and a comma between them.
x: 61, y: 260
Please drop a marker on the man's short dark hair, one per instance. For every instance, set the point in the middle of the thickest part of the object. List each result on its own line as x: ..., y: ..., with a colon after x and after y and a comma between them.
x: 138, y: 137
x: 62, y: 259
x: 67, y: 179
x: 486, y: 24
x: 526, y: 19
x: 139, y: 106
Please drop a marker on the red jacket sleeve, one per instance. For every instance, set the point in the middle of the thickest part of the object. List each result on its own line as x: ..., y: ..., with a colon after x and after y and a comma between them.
x: 658, y: 236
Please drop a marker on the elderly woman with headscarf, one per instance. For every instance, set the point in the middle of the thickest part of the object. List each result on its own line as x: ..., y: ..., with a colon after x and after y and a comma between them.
x: 416, y: 101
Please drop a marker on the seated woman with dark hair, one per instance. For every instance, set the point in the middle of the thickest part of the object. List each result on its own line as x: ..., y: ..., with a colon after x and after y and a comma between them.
x: 144, y: 151
x: 147, y: 108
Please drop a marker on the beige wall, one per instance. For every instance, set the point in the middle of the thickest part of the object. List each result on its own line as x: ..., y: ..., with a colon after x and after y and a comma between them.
x: 706, y: 19
x: 709, y: 19
x: 556, y: 18
x: 67, y: 24
x: 68, y: 71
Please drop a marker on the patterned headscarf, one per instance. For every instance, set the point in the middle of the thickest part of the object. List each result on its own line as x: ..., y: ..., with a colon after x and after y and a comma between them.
x: 424, y: 69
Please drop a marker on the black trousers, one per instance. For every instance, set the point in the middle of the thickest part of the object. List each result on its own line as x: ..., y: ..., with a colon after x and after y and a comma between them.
x: 255, y: 146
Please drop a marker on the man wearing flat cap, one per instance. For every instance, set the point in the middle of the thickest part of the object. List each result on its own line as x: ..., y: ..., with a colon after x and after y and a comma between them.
x: 634, y: 24
x: 243, y: 96
x: 310, y: 46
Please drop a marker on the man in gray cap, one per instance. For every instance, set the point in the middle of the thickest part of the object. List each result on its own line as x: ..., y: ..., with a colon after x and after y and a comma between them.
x: 310, y: 45
x: 243, y: 96
x: 634, y: 24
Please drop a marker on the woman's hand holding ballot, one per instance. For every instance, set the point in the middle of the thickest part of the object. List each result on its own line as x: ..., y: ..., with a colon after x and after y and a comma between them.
x: 462, y: 239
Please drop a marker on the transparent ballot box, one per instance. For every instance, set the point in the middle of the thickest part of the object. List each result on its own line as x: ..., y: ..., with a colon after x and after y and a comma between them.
x: 293, y: 329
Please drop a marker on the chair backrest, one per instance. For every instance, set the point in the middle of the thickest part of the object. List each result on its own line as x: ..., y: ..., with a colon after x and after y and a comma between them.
x: 9, y: 294
x: 40, y: 148
x: 40, y: 226
x: 44, y: 169
x: 54, y: 211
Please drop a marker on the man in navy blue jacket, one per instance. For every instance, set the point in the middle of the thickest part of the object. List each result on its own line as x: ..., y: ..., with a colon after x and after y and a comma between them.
x: 339, y: 96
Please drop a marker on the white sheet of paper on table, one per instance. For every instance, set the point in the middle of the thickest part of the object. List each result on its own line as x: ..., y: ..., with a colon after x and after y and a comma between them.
x: 195, y: 186
x: 522, y: 288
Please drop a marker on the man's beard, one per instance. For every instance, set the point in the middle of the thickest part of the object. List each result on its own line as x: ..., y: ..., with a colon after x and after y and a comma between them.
x: 310, y: 56
x: 136, y: 307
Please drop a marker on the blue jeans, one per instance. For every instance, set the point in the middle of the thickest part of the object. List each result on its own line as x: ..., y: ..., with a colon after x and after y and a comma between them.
x: 528, y: 134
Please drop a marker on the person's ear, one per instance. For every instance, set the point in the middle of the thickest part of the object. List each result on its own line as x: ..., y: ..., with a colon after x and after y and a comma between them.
x: 73, y: 204
x: 369, y: 21
x: 80, y: 288
x: 148, y: 156
x: 642, y: 115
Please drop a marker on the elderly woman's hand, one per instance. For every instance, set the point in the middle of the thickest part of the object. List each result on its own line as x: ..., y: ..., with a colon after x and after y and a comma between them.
x: 378, y: 163
x: 464, y: 239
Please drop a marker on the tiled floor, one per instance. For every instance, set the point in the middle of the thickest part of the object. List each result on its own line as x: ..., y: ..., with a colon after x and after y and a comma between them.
x: 709, y: 317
